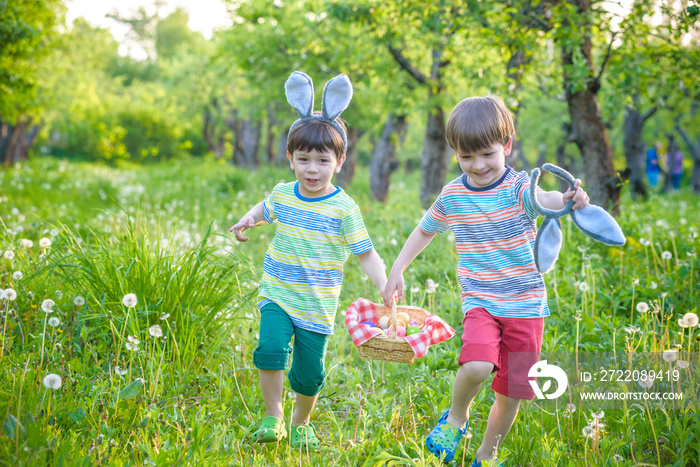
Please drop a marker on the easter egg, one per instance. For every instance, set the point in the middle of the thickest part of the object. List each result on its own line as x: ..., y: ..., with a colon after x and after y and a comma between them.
x: 412, y: 330
x: 413, y: 322
x: 384, y: 322
x: 369, y: 323
x: 403, y: 316
x: 400, y: 322
x: 400, y: 331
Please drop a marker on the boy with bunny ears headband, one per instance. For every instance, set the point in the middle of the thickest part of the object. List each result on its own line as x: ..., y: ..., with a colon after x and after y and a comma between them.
x: 318, y: 226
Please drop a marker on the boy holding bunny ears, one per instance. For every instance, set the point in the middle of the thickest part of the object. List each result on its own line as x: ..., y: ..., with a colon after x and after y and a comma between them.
x: 318, y: 226
x: 504, y: 299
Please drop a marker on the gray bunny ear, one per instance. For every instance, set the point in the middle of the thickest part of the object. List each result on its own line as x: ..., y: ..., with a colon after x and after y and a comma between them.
x: 300, y: 93
x: 336, y: 97
x: 548, y: 244
x: 595, y: 222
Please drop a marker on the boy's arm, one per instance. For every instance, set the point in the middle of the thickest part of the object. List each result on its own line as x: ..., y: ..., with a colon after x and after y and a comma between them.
x: 416, y: 243
x: 372, y: 265
x: 556, y: 200
x: 249, y: 220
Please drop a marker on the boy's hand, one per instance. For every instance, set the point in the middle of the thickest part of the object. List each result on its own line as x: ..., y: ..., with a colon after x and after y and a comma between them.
x: 394, y: 286
x: 246, y: 222
x: 580, y: 197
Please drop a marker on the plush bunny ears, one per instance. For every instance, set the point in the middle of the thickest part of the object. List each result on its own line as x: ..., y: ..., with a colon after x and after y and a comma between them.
x: 336, y: 97
x: 592, y: 220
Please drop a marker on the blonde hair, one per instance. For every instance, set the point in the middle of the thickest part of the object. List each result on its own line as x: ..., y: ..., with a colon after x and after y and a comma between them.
x: 478, y: 122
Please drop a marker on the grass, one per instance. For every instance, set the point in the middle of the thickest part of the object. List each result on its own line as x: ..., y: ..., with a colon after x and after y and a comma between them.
x: 188, y: 397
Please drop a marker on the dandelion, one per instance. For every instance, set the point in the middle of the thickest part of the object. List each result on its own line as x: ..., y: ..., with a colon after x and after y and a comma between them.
x: 27, y: 243
x: 669, y: 355
x: 132, y: 346
x: 666, y: 255
x: 583, y: 287
x: 45, y: 242
x: 164, y: 316
x: 653, y: 285
x: 571, y: 408
x: 598, y: 415
x: 10, y: 295
x: 47, y: 305
x: 642, y: 307
x: 618, y: 458
x: 645, y: 382
x: 587, y: 432
x: 632, y: 329
x: 691, y: 319
x: 78, y: 301
x: 52, y: 381
x: 53, y: 322
x: 431, y: 286
x: 58, y: 294
x: 9, y: 255
x: 635, y: 282
x: 682, y: 364
x: 119, y: 371
x: 17, y: 275
x: 129, y: 300
x: 644, y: 242
x: 155, y: 331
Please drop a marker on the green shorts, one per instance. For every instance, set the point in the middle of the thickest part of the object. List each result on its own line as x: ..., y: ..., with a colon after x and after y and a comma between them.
x: 307, y: 373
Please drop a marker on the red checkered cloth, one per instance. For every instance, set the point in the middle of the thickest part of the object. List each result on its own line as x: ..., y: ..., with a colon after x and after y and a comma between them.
x: 434, y: 329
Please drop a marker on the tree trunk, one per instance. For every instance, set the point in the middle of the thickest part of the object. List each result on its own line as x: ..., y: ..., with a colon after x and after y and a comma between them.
x: 247, y: 141
x: 15, y: 140
x: 271, y: 147
x: 347, y: 173
x: 384, y: 159
x: 694, y: 150
x: 588, y: 129
x: 281, y: 157
x: 215, y: 142
x: 433, y: 163
x: 634, y: 151
x: 514, y: 71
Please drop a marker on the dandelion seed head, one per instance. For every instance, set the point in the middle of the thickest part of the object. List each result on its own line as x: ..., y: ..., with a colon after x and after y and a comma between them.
x: 119, y: 371
x: 164, y: 316
x: 9, y: 255
x: 17, y: 275
x: 78, y: 301
x: 598, y: 415
x: 52, y: 381
x: 587, y: 432
x: 618, y: 458
x: 691, y: 319
x: 27, y: 243
x: 666, y: 255
x: 642, y: 307
x: 47, y: 305
x: 682, y: 364
x: 45, y: 242
x: 571, y: 408
x: 635, y: 282
x: 9, y: 295
x: 669, y: 355
x: 645, y: 382
x: 583, y: 287
x: 53, y: 321
x: 132, y: 347
x: 653, y: 285
x: 129, y: 300
x: 431, y: 286
x: 415, y: 290
x: 155, y: 331
x: 644, y: 242
x: 133, y: 340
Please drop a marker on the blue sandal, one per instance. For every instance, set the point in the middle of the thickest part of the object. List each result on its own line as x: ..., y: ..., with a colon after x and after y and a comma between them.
x: 488, y: 463
x: 444, y: 439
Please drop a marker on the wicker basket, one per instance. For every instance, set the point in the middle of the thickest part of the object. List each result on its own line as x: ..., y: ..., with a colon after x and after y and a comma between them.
x: 392, y: 348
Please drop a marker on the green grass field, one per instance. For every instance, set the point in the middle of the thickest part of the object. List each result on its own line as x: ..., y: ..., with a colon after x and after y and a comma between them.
x: 131, y: 396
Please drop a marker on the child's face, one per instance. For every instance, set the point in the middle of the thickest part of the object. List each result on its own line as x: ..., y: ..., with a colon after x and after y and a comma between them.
x: 314, y: 170
x: 486, y: 166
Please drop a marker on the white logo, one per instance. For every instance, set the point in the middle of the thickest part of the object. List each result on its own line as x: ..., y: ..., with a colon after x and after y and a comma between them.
x: 542, y: 370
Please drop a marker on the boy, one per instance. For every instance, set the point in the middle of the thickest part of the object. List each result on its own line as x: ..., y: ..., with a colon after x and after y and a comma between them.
x: 503, y: 295
x: 318, y: 226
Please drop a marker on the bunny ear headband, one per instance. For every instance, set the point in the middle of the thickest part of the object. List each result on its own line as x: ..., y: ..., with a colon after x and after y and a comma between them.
x: 336, y: 96
x: 592, y: 220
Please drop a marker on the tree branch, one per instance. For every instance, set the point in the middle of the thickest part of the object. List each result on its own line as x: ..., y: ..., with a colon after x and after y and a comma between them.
x: 649, y: 113
x: 607, y: 56
x: 407, y: 66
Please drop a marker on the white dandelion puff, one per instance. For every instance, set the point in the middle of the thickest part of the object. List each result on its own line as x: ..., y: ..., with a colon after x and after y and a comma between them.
x: 653, y: 285
x: 17, y: 275
x: 642, y: 307
x: 155, y: 331
x: 133, y: 340
x: 53, y: 321
x: 598, y: 415
x: 645, y: 382
x: 618, y: 458
x: 9, y: 255
x: 47, y: 305
x: 587, y: 432
x: 131, y: 346
x: 431, y: 286
x: 129, y: 300
x: 10, y: 295
x: 78, y: 301
x: 666, y: 255
x: 164, y: 316
x: 27, y: 243
x: 52, y: 381
x: 644, y: 242
x: 682, y: 364
x: 45, y: 242
x: 583, y: 287
x: 691, y: 319
x: 635, y: 282
x: 669, y: 355
x: 571, y: 408
x: 119, y: 371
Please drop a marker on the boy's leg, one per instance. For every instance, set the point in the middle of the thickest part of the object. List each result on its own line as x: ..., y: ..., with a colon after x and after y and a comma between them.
x: 501, y: 418
x: 307, y: 375
x: 272, y: 385
x: 466, y: 386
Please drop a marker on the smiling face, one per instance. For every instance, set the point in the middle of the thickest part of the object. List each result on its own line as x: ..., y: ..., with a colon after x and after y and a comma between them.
x: 314, y: 169
x: 485, y: 167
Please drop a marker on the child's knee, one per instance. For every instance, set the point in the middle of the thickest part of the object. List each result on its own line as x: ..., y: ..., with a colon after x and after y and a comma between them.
x: 272, y: 356
x: 476, y: 371
x: 307, y: 383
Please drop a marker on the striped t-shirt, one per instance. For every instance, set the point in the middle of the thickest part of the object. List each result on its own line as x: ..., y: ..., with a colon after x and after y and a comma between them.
x: 495, y: 230
x: 303, y: 270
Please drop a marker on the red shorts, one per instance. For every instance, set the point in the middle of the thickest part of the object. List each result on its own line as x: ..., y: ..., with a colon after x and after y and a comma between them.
x: 513, y: 345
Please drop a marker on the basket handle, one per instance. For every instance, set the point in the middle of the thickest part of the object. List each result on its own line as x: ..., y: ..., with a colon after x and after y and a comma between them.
x: 393, y: 318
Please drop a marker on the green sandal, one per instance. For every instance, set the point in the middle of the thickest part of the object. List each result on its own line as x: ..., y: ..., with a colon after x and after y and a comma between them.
x: 271, y: 430
x: 304, y: 436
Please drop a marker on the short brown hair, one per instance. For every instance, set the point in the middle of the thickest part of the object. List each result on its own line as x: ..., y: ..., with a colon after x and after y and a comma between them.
x: 478, y: 122
x: 316, y: 134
